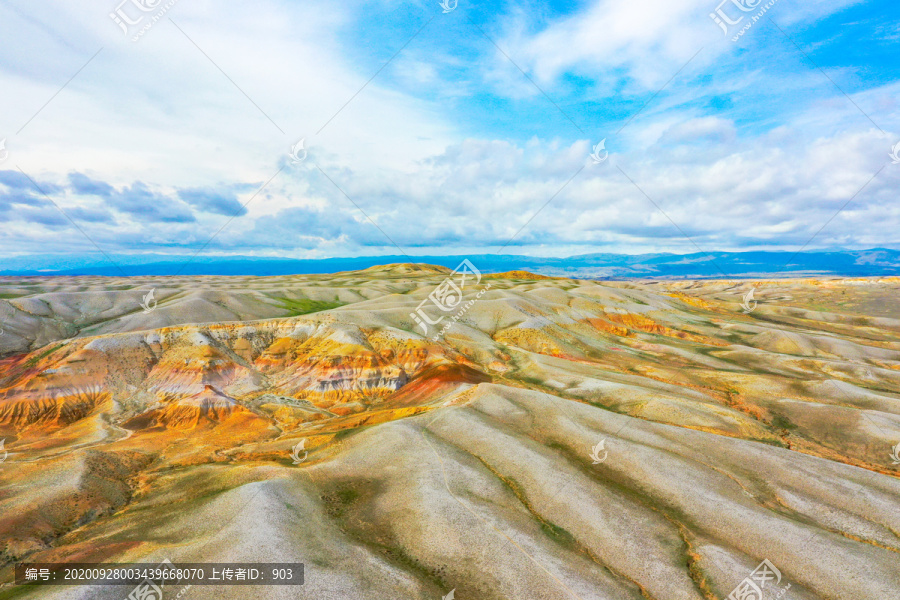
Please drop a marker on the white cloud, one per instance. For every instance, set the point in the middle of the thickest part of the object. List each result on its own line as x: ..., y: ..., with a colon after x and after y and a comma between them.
x: 158, y: 109
x: 640, y: 42
x: 159, y: 113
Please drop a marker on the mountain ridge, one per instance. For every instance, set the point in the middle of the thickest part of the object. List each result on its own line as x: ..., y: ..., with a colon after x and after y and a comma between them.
x: 699, y: 265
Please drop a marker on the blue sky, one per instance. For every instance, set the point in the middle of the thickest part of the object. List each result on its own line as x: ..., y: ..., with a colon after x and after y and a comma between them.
x: 473, y: 136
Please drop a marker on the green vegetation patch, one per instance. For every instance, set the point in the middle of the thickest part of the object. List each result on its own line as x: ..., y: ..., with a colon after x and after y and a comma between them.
x: 337, y: 503
x: 34, y: 359
x: 304, y: 306
x: 559, y: 535
x: 535, y: 381
x: 769, y: 441
x: 782, y: 422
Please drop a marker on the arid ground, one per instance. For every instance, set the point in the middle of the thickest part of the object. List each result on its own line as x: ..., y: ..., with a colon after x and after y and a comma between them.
x: 564, y: 439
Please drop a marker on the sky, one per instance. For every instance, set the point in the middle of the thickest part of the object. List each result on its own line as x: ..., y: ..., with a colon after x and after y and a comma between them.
x: 454, y: 128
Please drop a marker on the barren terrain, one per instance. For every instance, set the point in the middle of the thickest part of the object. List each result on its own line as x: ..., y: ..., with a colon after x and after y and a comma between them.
x: 564, y: 439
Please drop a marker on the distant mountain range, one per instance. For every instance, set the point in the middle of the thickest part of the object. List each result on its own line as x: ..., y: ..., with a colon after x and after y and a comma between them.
x: 840, y: 263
